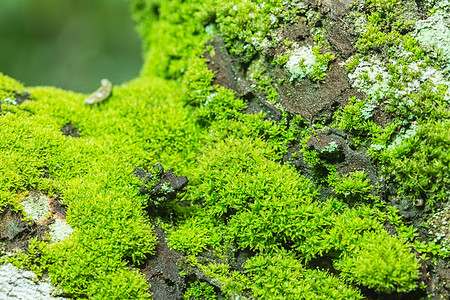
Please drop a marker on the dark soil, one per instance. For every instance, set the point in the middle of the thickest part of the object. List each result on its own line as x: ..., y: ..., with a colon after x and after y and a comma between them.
x: 70, y: 130
x: 161, y: 271
x: 58, y: 209
x: 15, y: 233
x: 21, y: 96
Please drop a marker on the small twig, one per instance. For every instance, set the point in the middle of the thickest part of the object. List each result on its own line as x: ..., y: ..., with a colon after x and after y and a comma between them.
x: 101, y: 94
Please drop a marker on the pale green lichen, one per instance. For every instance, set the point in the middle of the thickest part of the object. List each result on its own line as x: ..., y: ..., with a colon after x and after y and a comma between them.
x: 374, y: 78
x: 301, y: 62
x: 370, y: 77
x: 409, y: 80
x: 434, y: 5
x: 440, y: 230
x: 37, y: 207
x: 308, y: 61
x: 435, y: 32
x: 59, y: 230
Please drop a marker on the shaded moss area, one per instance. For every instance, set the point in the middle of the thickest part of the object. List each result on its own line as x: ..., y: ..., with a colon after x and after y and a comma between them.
x: 283, y: 207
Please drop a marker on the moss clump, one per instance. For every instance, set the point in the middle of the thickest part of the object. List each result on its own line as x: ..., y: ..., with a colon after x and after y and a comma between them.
x: 94, y: 175
x: 252, y: 201
x: 281, y: 276
x: 7, y: 89
x: 386, y: 268
x: 424, y: 172
x: 354, y: 187
x: 384, y: 22
x: 196, y: 235
x: 200, y: 291
x: 263, y: 82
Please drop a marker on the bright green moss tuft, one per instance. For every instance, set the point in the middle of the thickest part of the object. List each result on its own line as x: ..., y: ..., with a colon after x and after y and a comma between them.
x: 381, y: 262
x: 354, y: 187
x: 200, y: 291
x: 140, y: 124
x: 281, y: 276
x: 249, y: 21
x: 7, y: 88
x: 424, y: 172
x: 123, y: 284
x: 384, y: 24
x: 195, y: 236
x: 264, y: 206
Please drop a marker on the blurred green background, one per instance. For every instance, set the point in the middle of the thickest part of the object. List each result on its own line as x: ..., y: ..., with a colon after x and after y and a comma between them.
x: 71, y: 44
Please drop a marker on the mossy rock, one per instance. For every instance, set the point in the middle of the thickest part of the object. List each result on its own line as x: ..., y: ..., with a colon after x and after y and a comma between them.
x: 366, y: 121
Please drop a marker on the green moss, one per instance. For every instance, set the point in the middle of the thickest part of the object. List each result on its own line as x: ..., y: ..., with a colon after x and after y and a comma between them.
x: 424, y: 172
x: 231, y: 282
x: 281, y: 276
x: 263, y: 206
x: 108, y: 219
x: 195, y: 236
x: 310, y: 62
x: 387, y: 267
x: 354, y: 187
x: 7, y: 88
x: 282, y: 59
x: 356, y: 118
x: 412, y: 88
x: 266, y: 87
x: 91, y: 266
x: 200, y: 291
x: 241, y: 196
x: 30, y: 260
x: 384, y: 24
x: 249, y: 21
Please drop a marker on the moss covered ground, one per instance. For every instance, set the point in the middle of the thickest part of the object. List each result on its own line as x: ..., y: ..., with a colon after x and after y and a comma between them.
x: 244, y: 196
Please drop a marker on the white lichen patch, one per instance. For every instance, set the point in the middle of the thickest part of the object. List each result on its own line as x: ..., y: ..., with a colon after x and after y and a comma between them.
x: 16, y: 284
x: 59, y: 230
x: 259, y: 42
x: 404, y: 134
x: 301, y: 62
x: 273, y: 19
x: 435, y: 32
x: 443, y: 5
x: 10, y: 101
x: 37, y: 207
x: 372, y: 77
x: 440, y: 228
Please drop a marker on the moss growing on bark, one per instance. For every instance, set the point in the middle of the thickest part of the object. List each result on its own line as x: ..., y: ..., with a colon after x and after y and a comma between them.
x: 242, y: 198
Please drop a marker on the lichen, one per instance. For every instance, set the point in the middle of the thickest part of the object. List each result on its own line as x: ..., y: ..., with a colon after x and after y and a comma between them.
x: 439, y: 229
x: 59, y: 230
x: 36, y: 207
x: 308, y: 61
x: 410, y: 83
x: 435, y: 32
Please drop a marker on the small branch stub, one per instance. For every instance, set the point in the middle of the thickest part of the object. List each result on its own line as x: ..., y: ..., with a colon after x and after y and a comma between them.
x: 101, y: 94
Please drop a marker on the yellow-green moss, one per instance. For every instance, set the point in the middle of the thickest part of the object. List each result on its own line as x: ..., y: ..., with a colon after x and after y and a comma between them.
x: 7, y: 87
